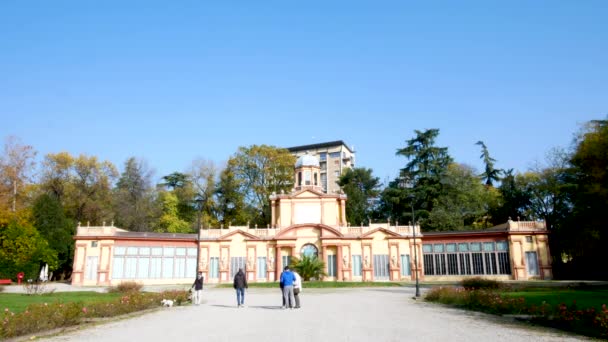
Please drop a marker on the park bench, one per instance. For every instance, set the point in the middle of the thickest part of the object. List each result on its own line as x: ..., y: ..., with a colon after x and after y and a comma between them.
x: 5, y: 282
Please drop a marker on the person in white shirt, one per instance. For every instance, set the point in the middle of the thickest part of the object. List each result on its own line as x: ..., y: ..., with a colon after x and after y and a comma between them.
x: 297, y: 288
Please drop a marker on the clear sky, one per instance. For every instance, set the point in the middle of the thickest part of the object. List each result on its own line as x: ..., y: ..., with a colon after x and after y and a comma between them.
x: 171, y: 81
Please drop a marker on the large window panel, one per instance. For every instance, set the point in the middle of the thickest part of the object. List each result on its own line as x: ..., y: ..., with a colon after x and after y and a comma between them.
x: 429, y: 268
x: 190, y: 267
x: 214, y: 272
x: 143, y: 269
x: 405, y: 265
x: 156, y: 266
x: 261, y: 267
x: 356, y: 265
x: 130, y: 267
x: 118, y: 268
x: 167, y: 268
x: 532, y: 263
x: 331, y: 265
x: 180, y: 268
x: 477, y: 263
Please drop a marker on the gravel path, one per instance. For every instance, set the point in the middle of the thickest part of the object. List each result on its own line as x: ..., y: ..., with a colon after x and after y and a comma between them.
x: 371, y: 314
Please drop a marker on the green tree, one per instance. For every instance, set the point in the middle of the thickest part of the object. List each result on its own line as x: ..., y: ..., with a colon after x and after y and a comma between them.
x: 134, y: 197
x: 22, y: 249
x: 463, y: 202
x: 57, y: 175
x: 419, y: 181
x: 176, y: 180
x: 180, y: 184
x: 586, y: 231
x: 169, y: 221
x: 262, y: 170
x: 548, y: 188
x: 230, y: 200
x: 56, y: 229
x: 514, y: 200
x: 490, y: 174
x: 361, y: 189
x: 82, y: 184
x: 309, y: 267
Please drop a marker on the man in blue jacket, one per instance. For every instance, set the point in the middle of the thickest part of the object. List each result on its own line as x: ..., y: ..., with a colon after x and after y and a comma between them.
x: 287, y: 280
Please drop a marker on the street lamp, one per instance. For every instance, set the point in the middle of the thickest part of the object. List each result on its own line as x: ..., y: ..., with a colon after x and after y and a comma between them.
x: 199, y: 206
x: 415, y: 251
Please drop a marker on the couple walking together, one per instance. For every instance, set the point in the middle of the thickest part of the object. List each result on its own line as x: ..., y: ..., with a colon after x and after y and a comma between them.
x: 291, y: 285
x: 290, y: 282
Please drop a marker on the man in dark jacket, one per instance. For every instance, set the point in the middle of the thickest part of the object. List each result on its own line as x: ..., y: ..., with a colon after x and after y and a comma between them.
x: 240, y: 284
x: 198, y: 289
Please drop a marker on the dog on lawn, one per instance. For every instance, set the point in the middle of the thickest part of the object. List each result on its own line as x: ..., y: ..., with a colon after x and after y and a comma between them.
x: 166, y: 303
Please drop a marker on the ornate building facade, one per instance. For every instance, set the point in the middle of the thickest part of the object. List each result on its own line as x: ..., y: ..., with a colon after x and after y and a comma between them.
x: 309, y: 221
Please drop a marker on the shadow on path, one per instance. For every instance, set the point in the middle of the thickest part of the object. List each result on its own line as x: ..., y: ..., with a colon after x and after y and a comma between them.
x: 267, y: 307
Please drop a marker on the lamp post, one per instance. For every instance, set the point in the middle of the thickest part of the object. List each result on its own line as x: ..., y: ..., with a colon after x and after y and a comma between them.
x: 415, y: 252
x: 199, y: 206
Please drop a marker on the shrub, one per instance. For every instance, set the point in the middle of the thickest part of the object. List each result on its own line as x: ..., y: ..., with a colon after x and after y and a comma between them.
x: 308, y: 267
x: 41, y: 317
x: 589, y: 321
x: 478, y: 283
x: 447, y: 295
x: 179, y: 297
x: 36, y: 287
x: 126, y: 287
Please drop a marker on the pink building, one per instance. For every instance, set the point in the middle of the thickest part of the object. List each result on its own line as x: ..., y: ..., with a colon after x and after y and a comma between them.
x: 309, y: 221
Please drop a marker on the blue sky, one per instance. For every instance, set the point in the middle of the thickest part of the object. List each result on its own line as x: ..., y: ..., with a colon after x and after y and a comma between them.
x: 173, y: 81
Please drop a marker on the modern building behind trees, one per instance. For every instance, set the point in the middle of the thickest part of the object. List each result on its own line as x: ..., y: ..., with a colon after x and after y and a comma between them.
x: 334, y: 157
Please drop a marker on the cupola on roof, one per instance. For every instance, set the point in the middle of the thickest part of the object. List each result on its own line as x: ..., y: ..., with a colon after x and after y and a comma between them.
x: 307, y: 160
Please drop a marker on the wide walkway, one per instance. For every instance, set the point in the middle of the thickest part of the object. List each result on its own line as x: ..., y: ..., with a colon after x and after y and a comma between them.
x: 371, y: 314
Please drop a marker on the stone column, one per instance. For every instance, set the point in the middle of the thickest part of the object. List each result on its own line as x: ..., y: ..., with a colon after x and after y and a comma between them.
x: 278, y: 263
x: 339, y: 262
x: 324, y: 257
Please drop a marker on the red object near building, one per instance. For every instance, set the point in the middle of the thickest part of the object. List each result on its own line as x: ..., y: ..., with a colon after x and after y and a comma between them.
x: 20, y: 276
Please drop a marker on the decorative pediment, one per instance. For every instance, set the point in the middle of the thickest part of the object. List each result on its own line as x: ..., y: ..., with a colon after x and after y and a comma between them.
x: 384, y: 231
x: 307, y: 193
x: 325, y: 231
x: 231, y: 235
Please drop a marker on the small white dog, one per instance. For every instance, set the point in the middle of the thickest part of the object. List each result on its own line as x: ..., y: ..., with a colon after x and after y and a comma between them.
x: 166, y: 302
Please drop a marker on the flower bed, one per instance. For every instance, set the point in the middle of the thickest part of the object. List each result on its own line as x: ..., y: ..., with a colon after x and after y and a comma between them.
x: 587, y: 321
x: 42, y: 317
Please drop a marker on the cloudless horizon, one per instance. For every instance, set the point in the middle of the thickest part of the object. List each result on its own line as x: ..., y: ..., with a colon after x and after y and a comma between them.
x: 171, y: 82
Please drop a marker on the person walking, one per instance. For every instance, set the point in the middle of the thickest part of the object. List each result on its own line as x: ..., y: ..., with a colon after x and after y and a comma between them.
x: 287, y: 279
x: 240, y: 284
x: 198, y: 289
x: 297, y: 288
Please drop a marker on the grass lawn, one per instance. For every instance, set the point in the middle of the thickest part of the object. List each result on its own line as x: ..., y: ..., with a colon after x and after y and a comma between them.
x: 585, y: 298
x: 17, y: 302
x: 321, y: 284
